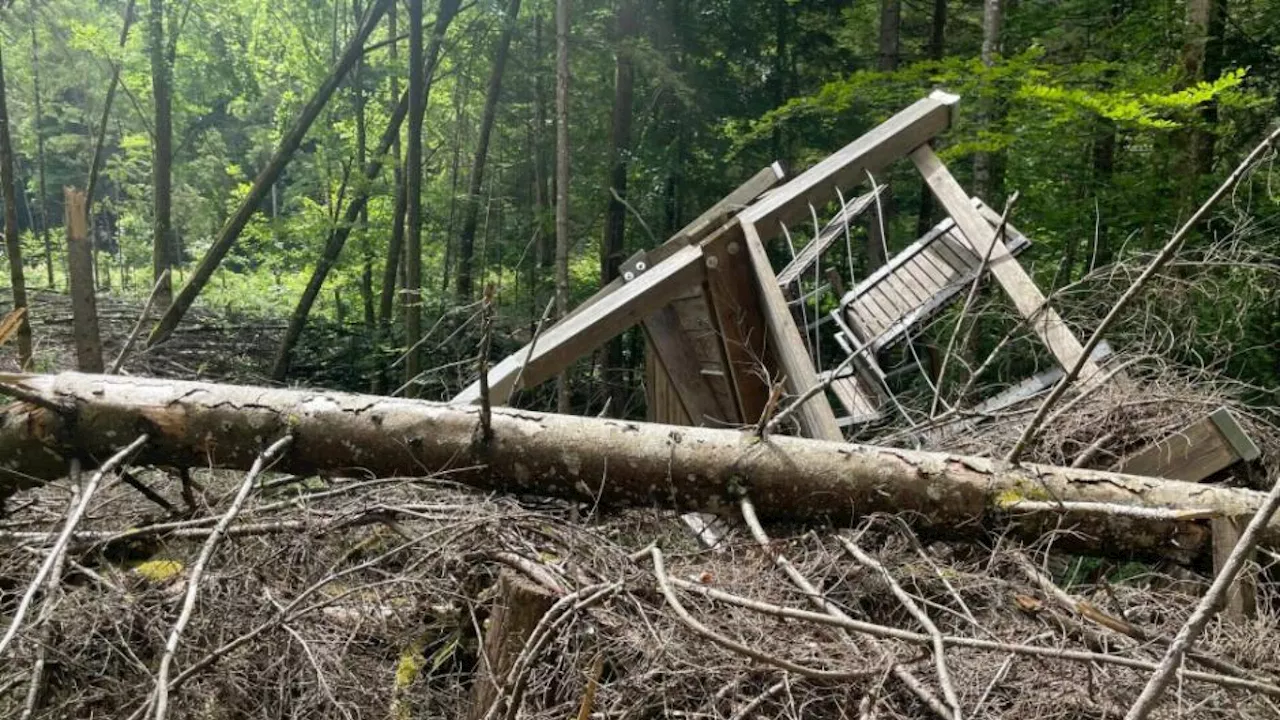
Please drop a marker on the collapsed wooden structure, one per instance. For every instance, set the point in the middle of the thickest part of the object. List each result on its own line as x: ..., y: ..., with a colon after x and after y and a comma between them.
x: 721, y: 324
x: 729, y: 337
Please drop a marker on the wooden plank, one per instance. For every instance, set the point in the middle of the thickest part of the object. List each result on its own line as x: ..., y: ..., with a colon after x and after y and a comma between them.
x: 573, y: 337
x: 786, y: 344
x: 662, y: 405
x: 1046, y: 322
x: 892, y: 139
x: 739, y: 322
x: 1213, y: 443
x: 699, y: 229
x: 700, y: 330
x: 682, y: 365
x: 1242, y: 594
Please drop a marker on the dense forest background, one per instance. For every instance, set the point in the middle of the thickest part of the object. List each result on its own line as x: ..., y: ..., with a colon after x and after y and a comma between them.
x: 1111, y: 118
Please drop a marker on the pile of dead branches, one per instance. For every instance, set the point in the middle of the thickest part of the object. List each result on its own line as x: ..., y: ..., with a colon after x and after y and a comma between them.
x: 283, y: 596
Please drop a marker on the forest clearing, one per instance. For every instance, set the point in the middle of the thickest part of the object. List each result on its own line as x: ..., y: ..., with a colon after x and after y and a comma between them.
x: 639, y: 358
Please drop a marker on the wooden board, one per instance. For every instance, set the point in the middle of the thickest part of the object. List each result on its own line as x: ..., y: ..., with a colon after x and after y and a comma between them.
x: 1203, y: 448
x: 848, y: 167
x: 786, y: 344
x: 739, y: 322
x: 570, y: 339
x: 1053, y: 332
x: 835, y: 229
x: 683, y: 367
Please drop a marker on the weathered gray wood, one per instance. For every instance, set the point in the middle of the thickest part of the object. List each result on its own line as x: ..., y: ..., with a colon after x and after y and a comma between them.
x: 683, y: 368
x: 570, y: 339
x: 1019, y: 286
x: 834, y: 230
x: 887, y: 142
x: 786, y: 344
x: 1242, y: 595
x: 1196, y: 452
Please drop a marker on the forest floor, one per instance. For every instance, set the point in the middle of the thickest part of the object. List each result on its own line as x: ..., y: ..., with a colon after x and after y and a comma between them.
x: 345, y: 597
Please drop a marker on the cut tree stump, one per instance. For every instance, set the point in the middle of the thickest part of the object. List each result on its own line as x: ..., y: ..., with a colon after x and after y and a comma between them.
x: 516, y: 611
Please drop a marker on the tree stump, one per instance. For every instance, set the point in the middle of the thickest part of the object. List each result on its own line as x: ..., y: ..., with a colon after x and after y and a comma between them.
x: 516, y: 611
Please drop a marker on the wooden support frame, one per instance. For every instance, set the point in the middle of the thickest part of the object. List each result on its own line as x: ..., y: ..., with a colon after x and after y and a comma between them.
x: 1019, y: 286
x: 1194, y: 454
x: 583, y: 332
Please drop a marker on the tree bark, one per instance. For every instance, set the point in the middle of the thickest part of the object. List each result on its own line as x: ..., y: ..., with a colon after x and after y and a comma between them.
x: 597, y: 460
x: 412, y: 296
x: 265, y: 179
x: 985, y: 183
x: 359, y: 201
x: 395, y: 246
x: 612, y: 245
x: 467, y: 239
x: 84, y: 303
x: 518, y: 608
x: 100, y: 138
x: 13, y: 243
x: 541, y: 174
x: 40, y: 165
x: 935, y: 50
x: 161, y: 159
x: 562, y: 182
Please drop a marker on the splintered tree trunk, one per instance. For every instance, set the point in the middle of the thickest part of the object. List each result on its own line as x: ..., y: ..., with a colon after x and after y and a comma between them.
x: 612, y: 247
x: 84, y: 305
x: 359, y: 202
x: 266, y: 178
x: 594, y: 460
x: 516, y: 612
x: 13, y: 244
x: 562, y: 182
x: 161, y: 159
x: 467, y: 238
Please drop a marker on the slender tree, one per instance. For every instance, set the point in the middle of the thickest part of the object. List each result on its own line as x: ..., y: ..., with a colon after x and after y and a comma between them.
x: 612, y: 246
x: 100, y: 137
x: 161, y: 158
x: 413, y: 203
x: 562, y: 182
x: 360, y: 200
x: 250, y: 203
x: 467, y: 239
x: 887, y: 59
x: 395, y: 245
x: 43, y: 203
x: 13, y: 244
x: 985, y: 172
x: 934, y: 50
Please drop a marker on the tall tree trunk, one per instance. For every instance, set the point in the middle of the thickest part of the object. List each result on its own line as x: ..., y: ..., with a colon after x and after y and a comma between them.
x: 562, y: 182
x: 887, y: 58
x: 413, y: 203
x: 13, y: 243
x: 100, y: 138
x: 467, y: 239
x: 1201, y: 62
x: 985, y: 171
x: 395, y: 246
x: 778, y: 77
x: 541, y: 173
x: 686, y: 468
x: 161, y: 159
x: 612, y: 245
x: 43, y: 204
x: 935, y: 51
x: 266, y: 178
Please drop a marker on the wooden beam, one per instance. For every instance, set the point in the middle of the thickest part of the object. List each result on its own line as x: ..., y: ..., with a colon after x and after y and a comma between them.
x: 739, y: 322
x: 700, y: 228
x: 1194, y: 454
x: 1019, y: 286
x: 1213, y: 443
x: 680, y: 361
x: 787, y: 346
x: 887, y: 142
x: 578, y: 335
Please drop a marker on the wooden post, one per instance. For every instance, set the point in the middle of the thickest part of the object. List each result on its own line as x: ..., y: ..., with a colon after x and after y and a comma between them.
x: 84, y: 307
x: 516, y: 612
x: 1193, y: 454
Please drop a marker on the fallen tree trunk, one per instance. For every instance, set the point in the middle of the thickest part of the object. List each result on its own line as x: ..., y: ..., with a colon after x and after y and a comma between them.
x: 192, y: 424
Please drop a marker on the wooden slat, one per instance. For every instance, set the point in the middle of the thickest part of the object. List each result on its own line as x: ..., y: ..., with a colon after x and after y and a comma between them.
x: 570, y: 339
x: 682, y: 365
x: 887, y: 142
x: 1242, y: 594
x: 1046, y: 322
x: 1196, y: 452
x: 815, y: 416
